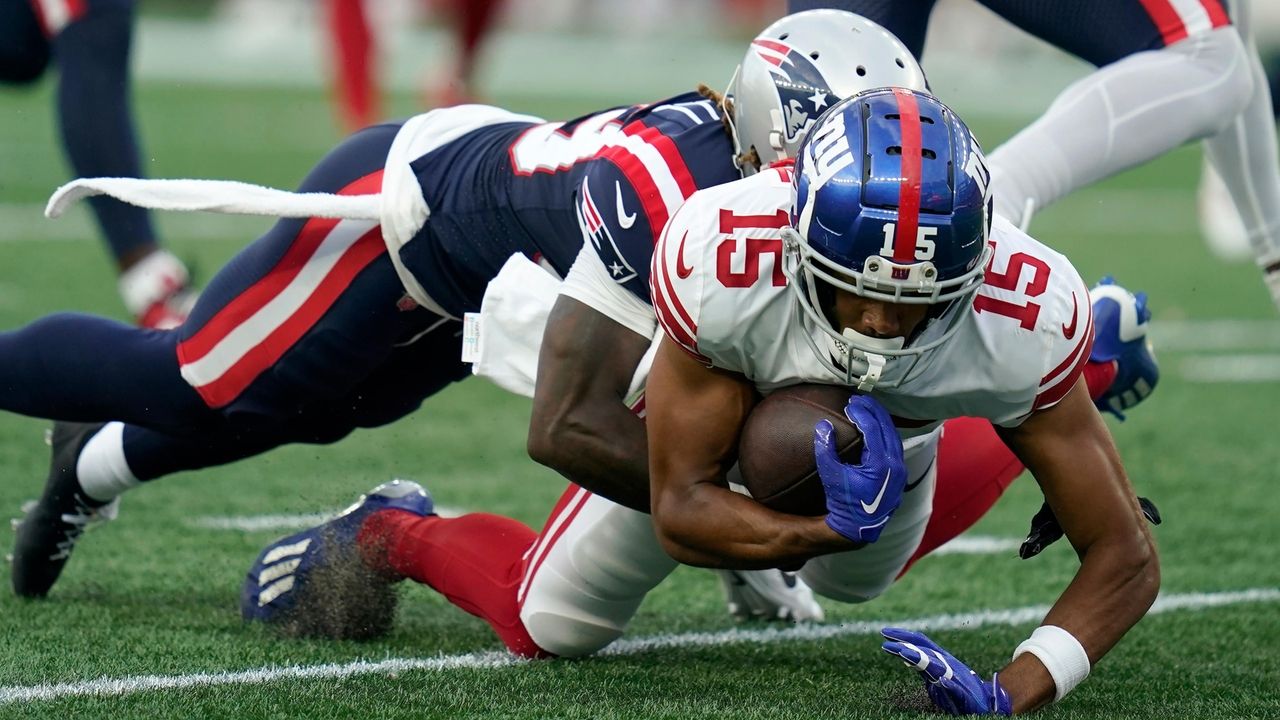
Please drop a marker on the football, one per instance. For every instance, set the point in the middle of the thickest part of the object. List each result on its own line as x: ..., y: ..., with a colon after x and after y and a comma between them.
x: 775, y: 452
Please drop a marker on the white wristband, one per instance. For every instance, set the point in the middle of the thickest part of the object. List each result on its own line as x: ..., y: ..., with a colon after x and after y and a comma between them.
x: 1062, y: 654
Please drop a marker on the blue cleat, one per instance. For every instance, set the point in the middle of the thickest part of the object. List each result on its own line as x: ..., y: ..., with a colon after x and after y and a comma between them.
x: 1120, y: 322
x: 315, y: 583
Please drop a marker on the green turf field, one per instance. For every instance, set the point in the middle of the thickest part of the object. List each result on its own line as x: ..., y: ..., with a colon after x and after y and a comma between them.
x: 150, y: 601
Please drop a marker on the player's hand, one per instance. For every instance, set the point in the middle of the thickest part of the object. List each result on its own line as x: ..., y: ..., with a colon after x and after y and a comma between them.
x: 951, y: 685
x: 1045, y: 529
x: 861, y: 498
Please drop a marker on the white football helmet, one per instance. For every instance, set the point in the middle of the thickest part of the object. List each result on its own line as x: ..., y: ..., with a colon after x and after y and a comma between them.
x: 800, y: 66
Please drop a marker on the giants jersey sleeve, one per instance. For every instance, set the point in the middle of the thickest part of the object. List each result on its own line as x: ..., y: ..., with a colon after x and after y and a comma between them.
x: 717, y: 281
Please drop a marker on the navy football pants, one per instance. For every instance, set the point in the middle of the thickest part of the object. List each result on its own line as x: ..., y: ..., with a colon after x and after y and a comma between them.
x: 302, y: 337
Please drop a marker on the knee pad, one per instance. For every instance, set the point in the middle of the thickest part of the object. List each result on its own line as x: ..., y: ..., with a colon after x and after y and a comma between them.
x: 584, y: 586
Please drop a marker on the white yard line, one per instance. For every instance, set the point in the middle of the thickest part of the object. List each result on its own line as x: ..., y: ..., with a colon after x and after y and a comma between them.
x: 978, y: 545
x: 1236, y: 368
x: 486, y: 660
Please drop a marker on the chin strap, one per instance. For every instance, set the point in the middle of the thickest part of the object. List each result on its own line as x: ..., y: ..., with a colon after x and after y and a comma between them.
x: 874, y: 361
x: 875, y: 365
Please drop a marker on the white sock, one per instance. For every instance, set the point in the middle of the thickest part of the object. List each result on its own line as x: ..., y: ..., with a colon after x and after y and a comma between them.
x: 103, y: 472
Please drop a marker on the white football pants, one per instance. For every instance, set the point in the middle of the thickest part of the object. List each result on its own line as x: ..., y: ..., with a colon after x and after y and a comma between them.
x: 595, y: 561
x: 1209, y: 86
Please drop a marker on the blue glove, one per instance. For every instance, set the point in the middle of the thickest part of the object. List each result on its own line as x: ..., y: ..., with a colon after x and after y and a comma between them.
x: 951, y: 685
x: 861, y: 498
x: 1120, y: 321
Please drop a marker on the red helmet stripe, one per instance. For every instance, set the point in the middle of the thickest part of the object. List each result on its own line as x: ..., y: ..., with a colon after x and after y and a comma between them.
x: 1217, y: 13
x: 772, y: 45
x: 904, y: 243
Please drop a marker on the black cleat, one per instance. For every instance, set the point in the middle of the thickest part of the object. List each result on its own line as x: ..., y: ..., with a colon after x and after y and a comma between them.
x: 49, y: 530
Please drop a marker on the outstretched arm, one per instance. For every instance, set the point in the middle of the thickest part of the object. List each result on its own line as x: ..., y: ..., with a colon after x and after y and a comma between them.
x: 580, y: 425
x: 1071, y: 454
x: 695, y: 414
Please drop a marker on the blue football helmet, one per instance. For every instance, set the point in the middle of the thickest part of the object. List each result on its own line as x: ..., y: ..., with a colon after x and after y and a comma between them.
x: 890, y: 202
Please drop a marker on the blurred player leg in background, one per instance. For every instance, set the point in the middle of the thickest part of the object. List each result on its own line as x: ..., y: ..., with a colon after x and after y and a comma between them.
x: 472, y: 21
x: 1222, y: 208
x: 355, y: 56
x: 355, y: 64
x: 89, y: 41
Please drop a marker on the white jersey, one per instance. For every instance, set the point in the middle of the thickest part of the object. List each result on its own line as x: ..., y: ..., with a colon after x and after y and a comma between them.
x: 720, y: 294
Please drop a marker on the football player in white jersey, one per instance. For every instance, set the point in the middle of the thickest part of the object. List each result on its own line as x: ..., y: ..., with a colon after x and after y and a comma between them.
x: 572, y: 589
x: 875, y: 263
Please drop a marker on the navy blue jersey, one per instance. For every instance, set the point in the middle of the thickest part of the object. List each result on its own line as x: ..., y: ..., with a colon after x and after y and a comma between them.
x: 535, y: 189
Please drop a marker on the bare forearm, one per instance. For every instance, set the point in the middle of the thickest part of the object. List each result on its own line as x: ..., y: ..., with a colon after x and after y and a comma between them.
x: 712, y: 526
x: 1108, y: 596
x: 1071, y: 454
x: 580, y: 426
x: 607, y: 454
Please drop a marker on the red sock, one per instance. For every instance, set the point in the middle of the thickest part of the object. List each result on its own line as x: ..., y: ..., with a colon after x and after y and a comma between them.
x: 354, y: 71
x: 975, y: 467
x: 475, y: 19
x: 476, y: 561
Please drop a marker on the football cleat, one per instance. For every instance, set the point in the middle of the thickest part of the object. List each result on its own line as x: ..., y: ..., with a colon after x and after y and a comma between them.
x: 1120, y: 321
x: 769, y: 595
x: 315, y: 583
x: 52, y: 525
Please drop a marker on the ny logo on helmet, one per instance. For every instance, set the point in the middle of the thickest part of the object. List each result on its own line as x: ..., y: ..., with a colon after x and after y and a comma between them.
x: 802, y: 91
x: 830, y: 152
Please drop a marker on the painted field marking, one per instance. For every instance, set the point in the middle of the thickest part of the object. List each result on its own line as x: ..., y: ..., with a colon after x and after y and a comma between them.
x: 978, y: 545
x: 1235, y: 368
x: 495, y: 659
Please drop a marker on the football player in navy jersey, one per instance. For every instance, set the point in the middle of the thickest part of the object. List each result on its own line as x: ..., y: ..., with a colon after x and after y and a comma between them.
x: 322, y: 326
x: 1169, y: 71
x: 89, y: 42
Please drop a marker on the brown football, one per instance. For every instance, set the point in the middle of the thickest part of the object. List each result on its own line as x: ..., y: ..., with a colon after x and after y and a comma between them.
x: 775, y: 452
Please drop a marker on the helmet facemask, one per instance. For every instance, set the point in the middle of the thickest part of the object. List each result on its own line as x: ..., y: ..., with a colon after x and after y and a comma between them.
x: 854, y: 195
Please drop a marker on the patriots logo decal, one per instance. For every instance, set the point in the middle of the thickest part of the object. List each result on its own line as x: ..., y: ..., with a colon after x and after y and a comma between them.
x: 589, y: 216
x: 802, y: 91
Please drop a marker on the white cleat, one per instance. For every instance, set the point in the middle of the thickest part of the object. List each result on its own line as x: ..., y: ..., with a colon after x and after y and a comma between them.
x: 769, y: 595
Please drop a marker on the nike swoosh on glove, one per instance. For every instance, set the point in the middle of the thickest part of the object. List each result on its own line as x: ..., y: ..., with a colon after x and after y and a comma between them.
x: 861, y: 498
x: 952, y: 686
